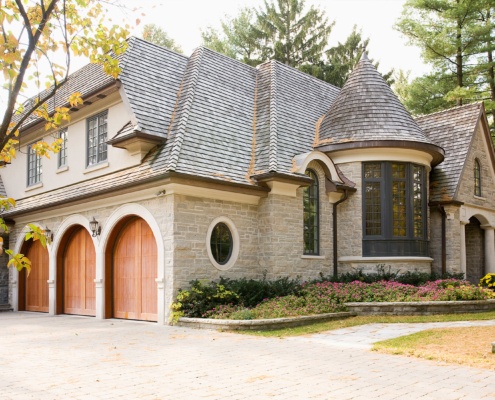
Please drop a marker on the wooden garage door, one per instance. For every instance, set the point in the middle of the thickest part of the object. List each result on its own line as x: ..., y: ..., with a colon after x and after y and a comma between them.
x: 36, y: 282
x: 79, y: 273
x: 134, y: 273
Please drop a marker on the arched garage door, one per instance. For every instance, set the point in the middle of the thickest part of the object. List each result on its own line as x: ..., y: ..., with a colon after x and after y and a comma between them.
x: 134, y: 272
x: 79, y: 271
x: 35, y: 293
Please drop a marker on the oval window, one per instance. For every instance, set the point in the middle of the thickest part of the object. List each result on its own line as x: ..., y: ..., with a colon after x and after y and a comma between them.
x: 221, y: 243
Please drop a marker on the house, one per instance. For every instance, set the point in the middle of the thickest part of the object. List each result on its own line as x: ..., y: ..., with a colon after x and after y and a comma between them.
x: 199, y: 167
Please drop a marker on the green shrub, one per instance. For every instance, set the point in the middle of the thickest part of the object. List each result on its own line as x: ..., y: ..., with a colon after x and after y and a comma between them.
x: 201, y: 298
x: 252, y: 292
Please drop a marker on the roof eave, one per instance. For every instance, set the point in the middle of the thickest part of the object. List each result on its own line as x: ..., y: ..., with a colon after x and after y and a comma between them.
x: 437, y: 153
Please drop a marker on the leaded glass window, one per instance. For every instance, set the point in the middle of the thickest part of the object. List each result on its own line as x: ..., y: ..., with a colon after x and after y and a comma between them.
x: 394, y: 209
x: 311, y: 217
x: 477, y: 178
x: 62, y: 154
x: 34, y: 168
x: 97, y: 138
x: 221, y: 243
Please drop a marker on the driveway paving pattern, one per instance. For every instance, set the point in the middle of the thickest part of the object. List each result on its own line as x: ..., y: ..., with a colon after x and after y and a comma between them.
x: 70, y: 357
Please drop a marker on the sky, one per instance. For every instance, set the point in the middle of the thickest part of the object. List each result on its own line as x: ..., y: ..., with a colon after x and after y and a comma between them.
x: 184, y: 19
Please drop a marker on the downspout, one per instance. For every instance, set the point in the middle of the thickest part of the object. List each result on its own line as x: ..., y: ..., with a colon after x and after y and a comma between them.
x: 444, y: 239
x: 335, y: 253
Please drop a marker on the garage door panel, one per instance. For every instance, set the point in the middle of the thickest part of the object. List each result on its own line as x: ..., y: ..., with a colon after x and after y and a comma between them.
x: 36, y: 291
x: 134, y: 273
x: 79, y: 265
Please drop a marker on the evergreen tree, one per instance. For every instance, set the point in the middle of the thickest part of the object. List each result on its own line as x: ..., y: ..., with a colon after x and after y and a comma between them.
x: 449, y: 34
x: 290, y: 35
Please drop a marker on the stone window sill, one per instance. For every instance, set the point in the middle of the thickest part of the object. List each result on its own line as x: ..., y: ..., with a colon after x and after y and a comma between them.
x: 310, y: 257
x: 62, y: 169
x: 479, y: 198
x: 35, y: 186
x: 96, y: 167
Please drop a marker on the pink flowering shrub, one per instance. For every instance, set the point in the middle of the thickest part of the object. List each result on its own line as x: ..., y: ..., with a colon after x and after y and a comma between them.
x: 327, y: 297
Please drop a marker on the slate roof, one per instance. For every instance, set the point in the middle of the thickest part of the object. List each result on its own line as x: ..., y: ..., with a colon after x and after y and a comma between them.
x: 453, y: 130
x: 151, y: 76
x: 366, y: 109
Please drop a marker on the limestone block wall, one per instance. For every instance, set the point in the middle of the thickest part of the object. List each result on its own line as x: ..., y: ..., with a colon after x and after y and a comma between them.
x: 436, y: 240
x: 192, y: 218
x: 453, y: 235
x: 350, y: 217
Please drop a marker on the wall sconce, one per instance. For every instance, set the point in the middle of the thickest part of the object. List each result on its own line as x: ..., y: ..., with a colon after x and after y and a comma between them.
x: 48, y: 234
x: 94, y: 227
x: 1, y: 245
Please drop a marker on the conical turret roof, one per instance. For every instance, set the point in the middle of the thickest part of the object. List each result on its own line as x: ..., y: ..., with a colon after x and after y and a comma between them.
x: 367, y: 113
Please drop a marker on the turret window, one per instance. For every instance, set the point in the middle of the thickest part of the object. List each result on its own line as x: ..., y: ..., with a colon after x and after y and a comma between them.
x: 394, y: 210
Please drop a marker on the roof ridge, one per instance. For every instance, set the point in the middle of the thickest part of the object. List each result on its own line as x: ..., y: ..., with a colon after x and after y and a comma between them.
x: 194, y: 63
x: 313, y: 78
x: 273, y: 160
x: 476, y: 103
x: 224, y: 56
x: 157, y: 45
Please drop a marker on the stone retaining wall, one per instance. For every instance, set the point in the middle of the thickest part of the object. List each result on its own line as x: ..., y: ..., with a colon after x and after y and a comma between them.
x: 421, y: 307
x: 258, y: 324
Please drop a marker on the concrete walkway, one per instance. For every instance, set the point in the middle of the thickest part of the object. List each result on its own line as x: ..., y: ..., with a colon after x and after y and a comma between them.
x: 363, y: 336
x: 69, y: 357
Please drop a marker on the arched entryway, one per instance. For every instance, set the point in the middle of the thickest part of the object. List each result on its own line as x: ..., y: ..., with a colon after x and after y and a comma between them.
x: 131, y: 260
x: 33, y: 288
x: 76, y: 273
x: 475, y: 251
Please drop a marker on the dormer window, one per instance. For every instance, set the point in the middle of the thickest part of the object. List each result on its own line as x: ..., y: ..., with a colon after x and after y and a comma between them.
x: 97, y: 138
x: 34, y: 166
x: 477, y: 178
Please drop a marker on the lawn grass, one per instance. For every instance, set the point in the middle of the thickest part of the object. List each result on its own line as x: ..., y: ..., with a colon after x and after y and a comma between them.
x: 471, y: 346
x: 372, y: 319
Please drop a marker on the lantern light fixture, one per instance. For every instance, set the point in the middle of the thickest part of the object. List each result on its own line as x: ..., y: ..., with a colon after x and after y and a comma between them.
x: 94, y: 227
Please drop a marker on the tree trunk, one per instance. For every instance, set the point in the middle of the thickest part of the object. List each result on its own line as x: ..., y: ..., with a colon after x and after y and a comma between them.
x: 458, y: 59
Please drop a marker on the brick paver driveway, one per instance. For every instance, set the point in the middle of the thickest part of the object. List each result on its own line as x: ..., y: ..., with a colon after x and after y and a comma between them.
x: 65, y: 357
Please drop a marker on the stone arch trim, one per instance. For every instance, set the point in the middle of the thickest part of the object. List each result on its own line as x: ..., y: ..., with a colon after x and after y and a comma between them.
x: 124, y: 211
x: 66, y: 224
x: 302, y: 161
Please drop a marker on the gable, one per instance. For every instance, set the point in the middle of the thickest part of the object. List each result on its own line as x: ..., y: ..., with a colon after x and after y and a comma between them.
x: 480, y: 149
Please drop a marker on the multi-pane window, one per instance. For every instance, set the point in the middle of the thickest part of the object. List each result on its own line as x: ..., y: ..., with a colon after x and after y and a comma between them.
x: 97, y: 138
x: 477, y: 178
x: 62, y: 154
x: 311, y: 217
x: 34, y: 169
x: 394, y: 209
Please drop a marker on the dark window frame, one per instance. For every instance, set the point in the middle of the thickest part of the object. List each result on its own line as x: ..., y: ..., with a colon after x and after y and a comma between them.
x: 215, y: 243
x: 311, y: 226
x: 96, y: 144
x: 62, y: 154
x: 34, y: 167
x: 477, y: 178
x: 412, y: 240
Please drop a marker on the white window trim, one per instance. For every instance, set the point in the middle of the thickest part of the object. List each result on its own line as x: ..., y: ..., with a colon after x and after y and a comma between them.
x: 235, y: 245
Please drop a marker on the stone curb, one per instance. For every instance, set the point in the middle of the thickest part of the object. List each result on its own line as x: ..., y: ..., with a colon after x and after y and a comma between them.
x: 421, y: 307
x: 258, y: 324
